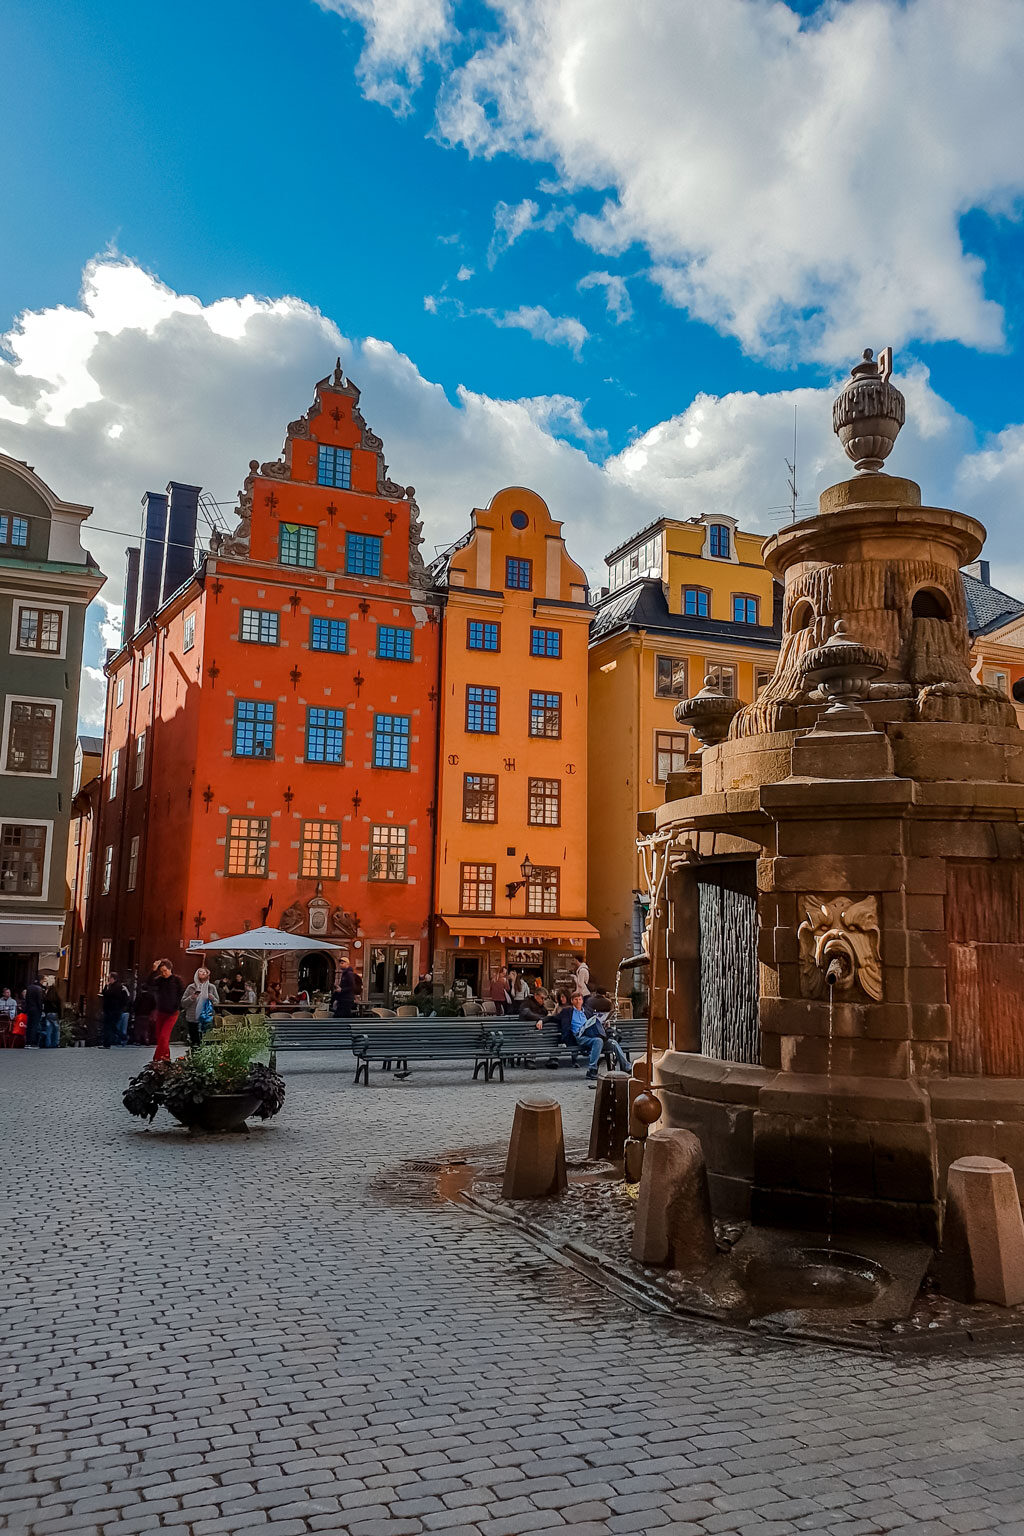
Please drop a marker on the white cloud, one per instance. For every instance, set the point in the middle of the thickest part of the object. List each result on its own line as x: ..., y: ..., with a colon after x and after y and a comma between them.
x: 557, y: 330
x: 616, y: 294
x: 464, y: 274
x: 401, y: 36
x: 513, y: 220
x: 798, y: 181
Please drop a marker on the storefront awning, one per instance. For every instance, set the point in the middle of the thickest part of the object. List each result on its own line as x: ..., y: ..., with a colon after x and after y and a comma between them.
x: 529, y: 930
x: 28, y: 936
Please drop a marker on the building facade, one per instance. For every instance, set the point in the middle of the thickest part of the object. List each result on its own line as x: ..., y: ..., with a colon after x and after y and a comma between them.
x: 85, y: 789
x: 995, y: 621
x: 684, y: 600
x: 511, y: 877
x: 271, y: 731
x: 47, y: 581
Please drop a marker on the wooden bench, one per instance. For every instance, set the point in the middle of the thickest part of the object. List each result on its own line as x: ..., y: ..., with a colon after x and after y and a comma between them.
x: 312, y: 1034
x: 397, y: 1043
x: 631, y: 1035
x: 521, y: 1040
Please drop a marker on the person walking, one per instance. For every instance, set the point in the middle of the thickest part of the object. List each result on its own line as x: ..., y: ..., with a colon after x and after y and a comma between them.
x: 199, y: 999
x: 51, y: 1016
x: 581, y: 980
x: 142, y: 1025
x: 343, y: 998
x: 498, y: 990
x: 33, y: 1012
x: 577, y: 1029
x: 167, y: 991
x: 113, y: 1001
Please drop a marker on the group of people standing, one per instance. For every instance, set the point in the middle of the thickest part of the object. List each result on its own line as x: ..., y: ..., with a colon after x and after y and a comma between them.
x: 31, y: 1018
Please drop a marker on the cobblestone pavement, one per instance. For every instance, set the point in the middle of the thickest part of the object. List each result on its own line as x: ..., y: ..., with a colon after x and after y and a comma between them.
x: 234, y: 1334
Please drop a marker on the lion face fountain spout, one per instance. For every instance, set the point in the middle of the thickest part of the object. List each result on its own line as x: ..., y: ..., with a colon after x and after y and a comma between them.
x: 839, y: 946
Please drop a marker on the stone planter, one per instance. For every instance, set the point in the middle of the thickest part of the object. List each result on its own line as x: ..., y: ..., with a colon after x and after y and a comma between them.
x: 218, y: 1112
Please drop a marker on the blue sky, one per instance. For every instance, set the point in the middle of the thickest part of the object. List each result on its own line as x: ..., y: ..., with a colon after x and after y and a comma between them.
x: 696, y: 168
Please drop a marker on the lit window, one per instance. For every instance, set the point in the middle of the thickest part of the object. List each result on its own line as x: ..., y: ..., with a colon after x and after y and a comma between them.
x: 669, y: 677
x: 545, y: 642
x: 476, y: 892
x: 482, y: 710
x: 670, y: 752
x: 248, y: 841
x: 140, y: 759
x: 259, y: 626
x: 30, y: 740
x: 189, y: 632
x: 362, y: 554
x: 22, y: 855
x: 108, y: 868
x: 481, y: 635
x: 296, y: 544
x: 545, y: 802
x: 325, y: 735
x: 40, y: 629
x: 744, y: 609
x: 696, y: 602
x: 389, y: 853
x: 254, y: 729
x: 328, y: 635
x: 391, y: 741
x: 479, y: 797
x: 147, y: 670
x: 718, y: 541
x: 542, y: 892
x: 115, y: 769
x: 334, y: 467
x: 133, y: 863
x: 518, y: 573
x: 119, y: 696
x: 394, y: 644
x: 545, y: 714
x: 13, y: 531
x: 321, y: 850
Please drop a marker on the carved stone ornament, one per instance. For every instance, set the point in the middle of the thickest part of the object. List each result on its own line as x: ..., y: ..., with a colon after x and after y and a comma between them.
x: 275, y: 470
x: 343, y: 924
x: 868, y: 412
x: 294, y: 919
x: 708, y: 714
x: 840, y: 948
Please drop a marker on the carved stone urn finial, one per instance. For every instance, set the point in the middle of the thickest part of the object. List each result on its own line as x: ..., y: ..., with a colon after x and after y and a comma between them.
x: 708, y: 714
x: 868, y: 412
x: 842, y: 669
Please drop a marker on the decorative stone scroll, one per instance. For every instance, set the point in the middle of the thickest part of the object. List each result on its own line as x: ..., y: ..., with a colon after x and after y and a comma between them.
x: 840, y: 946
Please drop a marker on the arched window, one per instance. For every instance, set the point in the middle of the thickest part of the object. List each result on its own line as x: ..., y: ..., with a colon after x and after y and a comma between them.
x: 802, y: 617
x: 718, y: 541
x: 930, y: 603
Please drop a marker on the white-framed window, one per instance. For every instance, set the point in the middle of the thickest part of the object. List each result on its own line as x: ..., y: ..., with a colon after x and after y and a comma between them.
x: 147, y: 670
x: 25, y: 858
x: 119, y: 691
x: 133, y: 863
x: 39, y: 629
x: 140, y: 759
x: 31, y: 737
x: 105, y: 962
x: 115, y: 773
x: 189, y: 629
x: 108, y: 867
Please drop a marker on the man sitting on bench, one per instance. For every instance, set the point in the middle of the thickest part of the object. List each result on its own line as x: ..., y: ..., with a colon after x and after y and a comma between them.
x: 577, y: 1029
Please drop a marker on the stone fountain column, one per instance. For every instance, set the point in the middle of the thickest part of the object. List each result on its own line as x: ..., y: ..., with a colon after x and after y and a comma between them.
x: 877, y: 793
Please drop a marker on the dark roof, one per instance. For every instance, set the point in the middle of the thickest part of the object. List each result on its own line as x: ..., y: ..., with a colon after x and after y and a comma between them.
x: 987, y: 607
x: 642, y: 605
x: 92, y: 746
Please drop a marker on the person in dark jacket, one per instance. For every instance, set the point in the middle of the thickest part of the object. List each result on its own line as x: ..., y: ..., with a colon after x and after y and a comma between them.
x: 577, y: 1030
x: 166, y: 988
x: 33, y: 1012
x: 343, y: 998
x: 113, y: 1000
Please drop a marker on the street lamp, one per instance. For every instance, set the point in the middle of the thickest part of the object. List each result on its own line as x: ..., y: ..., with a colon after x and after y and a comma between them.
x: 527, y: 871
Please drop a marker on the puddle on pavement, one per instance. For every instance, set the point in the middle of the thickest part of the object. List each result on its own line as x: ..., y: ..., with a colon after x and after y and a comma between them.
x: 436, y: 1180
x: 813, y: 1278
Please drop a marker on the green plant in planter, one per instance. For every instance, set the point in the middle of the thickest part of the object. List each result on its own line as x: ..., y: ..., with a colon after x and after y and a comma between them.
x: 226, y: 1063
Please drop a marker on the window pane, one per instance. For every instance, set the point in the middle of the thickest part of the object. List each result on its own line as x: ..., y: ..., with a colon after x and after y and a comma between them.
x: 254, y: 729
x: 542, y: 892
x: 545, y: 642
x: 394, y: 644
x: 189, y: 632
x: 477, y: 888
x: 696, y: 602
x: 325, y: 735
x: 482, y: 710
x: 321, y: 850
x: 388, y: 853
x: 391, y: 741
x: 719, y: 541
x: 545, y: 802
x: 545, y: 714
x: 297, y: 544
x: 479, y: 797
x: 140, y: 759
x: 30, y: 740
x: 670, y: 677
x: 248, y: 839
x: 13, y: 531
x: 328, y: 635
x: 670, y: 749
x: 39, y: 629
x: 362, y: 554
x: 482, y: 635
x: 518, y: 573
x: 22, y: 852
x: 259, y: 626
x: 334, y: 467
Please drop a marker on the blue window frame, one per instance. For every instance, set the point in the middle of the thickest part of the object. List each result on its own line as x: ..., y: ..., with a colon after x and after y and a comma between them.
x: 545, y: 642
x: 718, y: 542
x: 328, y: 635
x: 297, y: 544
x: 254, y: 729
x: 744, y: 609
x: 391, y: 741
x: 13, y: 530
x: 481, y: 635
x: 696, y: 602
x: 394, y: 644
x: 518, y: 573
x: 482, y: 710
x: 334, y: 467
x: 325, y: 735
x: 362, y: 554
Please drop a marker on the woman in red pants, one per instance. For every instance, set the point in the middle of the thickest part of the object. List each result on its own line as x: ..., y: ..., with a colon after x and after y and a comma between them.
x: 166, y: 988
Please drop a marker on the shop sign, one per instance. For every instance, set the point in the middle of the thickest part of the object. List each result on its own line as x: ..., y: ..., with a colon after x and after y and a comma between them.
x: 524, y: 957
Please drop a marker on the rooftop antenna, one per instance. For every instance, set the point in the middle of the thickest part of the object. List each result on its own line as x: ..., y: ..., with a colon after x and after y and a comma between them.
x: 791, y: 482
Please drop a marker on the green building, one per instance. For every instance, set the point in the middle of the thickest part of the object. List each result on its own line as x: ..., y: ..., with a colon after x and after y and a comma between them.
x: 47, y: 581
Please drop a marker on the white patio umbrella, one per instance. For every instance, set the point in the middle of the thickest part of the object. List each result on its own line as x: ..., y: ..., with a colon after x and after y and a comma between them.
x: 263, y: 942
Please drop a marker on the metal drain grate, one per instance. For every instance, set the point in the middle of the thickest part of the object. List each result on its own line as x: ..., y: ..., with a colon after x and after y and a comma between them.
x: 418, y: 1165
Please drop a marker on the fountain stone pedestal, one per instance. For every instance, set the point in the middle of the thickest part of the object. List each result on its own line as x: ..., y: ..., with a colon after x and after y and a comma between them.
x: 869, y: 804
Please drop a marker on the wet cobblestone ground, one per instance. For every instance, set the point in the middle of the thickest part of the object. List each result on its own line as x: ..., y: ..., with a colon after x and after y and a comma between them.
x: 238, y: 1334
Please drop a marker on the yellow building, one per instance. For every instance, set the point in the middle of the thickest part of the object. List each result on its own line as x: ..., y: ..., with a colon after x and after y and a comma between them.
x: 996, y: 624
x: 512, y: 790
x: 684, y: 599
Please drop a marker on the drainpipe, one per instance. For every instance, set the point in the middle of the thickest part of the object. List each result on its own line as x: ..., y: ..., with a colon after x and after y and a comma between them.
x: 435, y: 839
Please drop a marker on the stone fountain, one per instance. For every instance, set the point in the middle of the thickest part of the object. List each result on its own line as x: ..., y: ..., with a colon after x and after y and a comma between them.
x: 836, y: 931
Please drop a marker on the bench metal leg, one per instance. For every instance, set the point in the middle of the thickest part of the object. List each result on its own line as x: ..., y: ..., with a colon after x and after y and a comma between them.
x: 363, y: 1070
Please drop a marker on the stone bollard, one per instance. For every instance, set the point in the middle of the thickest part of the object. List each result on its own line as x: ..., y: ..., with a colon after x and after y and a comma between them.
x: 982, y: 1254
x: 673, y: 1214
x: 535, y: 1166
x: 611, y: 1116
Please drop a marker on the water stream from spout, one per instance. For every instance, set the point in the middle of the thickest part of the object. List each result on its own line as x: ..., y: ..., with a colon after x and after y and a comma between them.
x: 829, y: 1140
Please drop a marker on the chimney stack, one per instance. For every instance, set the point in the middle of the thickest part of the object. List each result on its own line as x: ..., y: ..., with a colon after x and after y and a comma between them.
x: 130, y: 616
x: 180, y: 561
x: 155, y: 534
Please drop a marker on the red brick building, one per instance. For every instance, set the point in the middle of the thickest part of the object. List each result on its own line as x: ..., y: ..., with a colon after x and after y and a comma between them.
x: 271, y: 729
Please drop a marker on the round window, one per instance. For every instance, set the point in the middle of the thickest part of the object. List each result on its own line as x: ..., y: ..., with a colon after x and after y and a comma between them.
x: 519, y: 520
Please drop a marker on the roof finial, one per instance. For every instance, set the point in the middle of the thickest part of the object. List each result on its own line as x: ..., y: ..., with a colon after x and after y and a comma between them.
x: 868, y: 412
x: 339, y: 377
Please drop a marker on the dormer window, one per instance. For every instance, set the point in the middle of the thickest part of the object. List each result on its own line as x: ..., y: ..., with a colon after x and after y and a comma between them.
x: 718, y: 541
x: 697, y: 602
x: 334, y: 467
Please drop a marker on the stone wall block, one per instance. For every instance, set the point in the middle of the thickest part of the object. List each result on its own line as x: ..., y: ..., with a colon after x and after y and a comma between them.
x: 955, y: 839
x: 903, y: 1162
x: 673, y: 1212
x: 929, y: 1058
x: 930, y: 1021
x: 982, y: 1255
x: 850, y: 1058
x: 902, y: 911
x: 832, y: 836
x: 927, y: 948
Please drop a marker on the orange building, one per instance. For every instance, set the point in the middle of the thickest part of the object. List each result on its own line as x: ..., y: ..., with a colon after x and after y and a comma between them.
x: 512, y: 777
x: 271, y: 726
